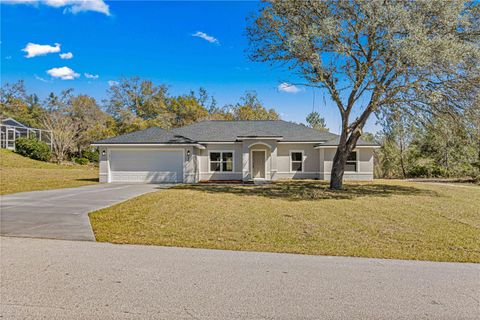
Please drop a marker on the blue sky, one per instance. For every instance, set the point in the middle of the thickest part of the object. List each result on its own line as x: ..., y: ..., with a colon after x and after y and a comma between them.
x: 152, y: 39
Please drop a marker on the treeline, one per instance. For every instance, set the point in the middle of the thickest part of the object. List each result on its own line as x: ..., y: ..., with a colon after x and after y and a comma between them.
x: 438, y: 145
x: 420, y: 144
x: 76, y: 120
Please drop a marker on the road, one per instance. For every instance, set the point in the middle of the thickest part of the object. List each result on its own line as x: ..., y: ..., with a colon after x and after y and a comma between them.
x: 62, y: 213
x: 56, y: 279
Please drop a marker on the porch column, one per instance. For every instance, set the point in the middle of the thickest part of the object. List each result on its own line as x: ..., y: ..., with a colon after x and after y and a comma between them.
x: 273, y: 162
x: 245, y: 161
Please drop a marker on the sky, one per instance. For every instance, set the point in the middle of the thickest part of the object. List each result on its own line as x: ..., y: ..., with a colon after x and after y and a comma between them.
x: 86, y: 44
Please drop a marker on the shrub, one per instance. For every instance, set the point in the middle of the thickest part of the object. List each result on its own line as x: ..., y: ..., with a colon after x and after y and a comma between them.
x: 438, y: 172
x: 91, y: 154
x: 418, y: 171
x: 82, y: 161
x: 427, y: 170
x: 33, y: 148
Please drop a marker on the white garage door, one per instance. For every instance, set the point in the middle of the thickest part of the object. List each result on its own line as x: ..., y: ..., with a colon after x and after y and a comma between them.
x: 153, y: 166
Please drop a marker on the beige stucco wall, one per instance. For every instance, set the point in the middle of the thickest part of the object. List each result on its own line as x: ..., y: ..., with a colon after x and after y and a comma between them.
x: 191, y: 165
x: 270, y: 146
x: 103, y: 165
x: 203, y: 162
x: 311, y: 161
x: 364, y: 164
x: 317, y: 162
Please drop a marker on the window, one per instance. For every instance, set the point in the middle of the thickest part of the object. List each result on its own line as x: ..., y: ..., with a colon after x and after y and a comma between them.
x: 351, y: 162
x: 221, y: 161
x: 296, y: 161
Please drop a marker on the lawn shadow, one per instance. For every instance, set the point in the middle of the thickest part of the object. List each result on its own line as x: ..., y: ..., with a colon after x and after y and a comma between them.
x: 310, y: 190
x: 87, y: 179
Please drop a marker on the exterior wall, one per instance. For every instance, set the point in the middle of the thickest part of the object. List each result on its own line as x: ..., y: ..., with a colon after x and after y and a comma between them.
x: 364, y: 164
x: 270, y: 148
x: 190, y: 165
x: 203, y: 162
x: 311, y: 161
x: 190, y: 168
x: 317, y: 162
x: 103, y: 166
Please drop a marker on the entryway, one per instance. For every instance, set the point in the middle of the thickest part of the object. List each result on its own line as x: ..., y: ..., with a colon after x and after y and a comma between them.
x: 258, y: 164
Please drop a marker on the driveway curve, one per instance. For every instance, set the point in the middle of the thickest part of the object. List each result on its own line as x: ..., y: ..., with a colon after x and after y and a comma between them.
x: 62, y: 213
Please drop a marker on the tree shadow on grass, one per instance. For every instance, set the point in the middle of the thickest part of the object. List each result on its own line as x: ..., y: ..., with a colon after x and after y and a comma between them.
x: 88, y: 179
x: 299, y: 190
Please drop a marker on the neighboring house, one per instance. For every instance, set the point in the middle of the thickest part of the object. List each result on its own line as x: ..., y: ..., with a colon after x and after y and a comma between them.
x: 11, y: 129
x: 228, y: 150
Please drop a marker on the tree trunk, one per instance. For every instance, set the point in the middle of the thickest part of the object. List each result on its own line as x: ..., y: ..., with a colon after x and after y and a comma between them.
x: 402, y: 164
x: 338, y: 169
x: 345, y: 146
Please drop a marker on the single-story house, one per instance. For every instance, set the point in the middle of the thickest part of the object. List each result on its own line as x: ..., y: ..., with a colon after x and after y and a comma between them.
x: 228, y: 150
x: 11, y: 130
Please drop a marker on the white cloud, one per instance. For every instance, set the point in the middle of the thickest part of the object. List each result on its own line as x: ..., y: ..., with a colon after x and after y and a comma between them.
x: 91, y: 76
x: 112, y: 83
x: 64, y: 73
x: 205, y: 36
x: 87, y: 5
x: 72, y: 6
x: 18, y: 1
x: 8, y: 57
x: 33, y: 49
x: 67, y: 55
x: 290, y: 88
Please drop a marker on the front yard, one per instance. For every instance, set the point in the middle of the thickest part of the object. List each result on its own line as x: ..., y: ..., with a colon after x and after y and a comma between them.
x: 20, y: 174
x: 385, y: 219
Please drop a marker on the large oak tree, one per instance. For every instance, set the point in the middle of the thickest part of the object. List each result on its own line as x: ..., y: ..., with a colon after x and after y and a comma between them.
x: 371, y: 55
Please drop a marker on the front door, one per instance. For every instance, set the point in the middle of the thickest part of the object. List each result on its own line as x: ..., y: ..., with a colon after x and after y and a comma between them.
x: 258, y: 164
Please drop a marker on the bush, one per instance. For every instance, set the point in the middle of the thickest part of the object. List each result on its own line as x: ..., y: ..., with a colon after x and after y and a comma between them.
x: 418, y: 171
x: 91, y: 155
x: 33, y: 148
x: 82, y: 161
x: 427, y: 171
x: 438, y: 172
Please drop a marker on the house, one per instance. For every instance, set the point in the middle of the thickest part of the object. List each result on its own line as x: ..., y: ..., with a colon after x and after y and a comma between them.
x: 11, y: 129
x: 228, y: 150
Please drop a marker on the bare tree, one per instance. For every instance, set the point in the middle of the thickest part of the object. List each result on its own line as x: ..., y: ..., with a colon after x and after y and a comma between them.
x: 64, y: 131
x: 371, y: 55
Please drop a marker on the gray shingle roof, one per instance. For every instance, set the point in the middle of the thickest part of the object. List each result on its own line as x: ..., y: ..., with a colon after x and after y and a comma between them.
x: 228, y: 131
x: 13, y: 122
x: 212, y: 131
x: 150, y: 135
x: 335, y: 141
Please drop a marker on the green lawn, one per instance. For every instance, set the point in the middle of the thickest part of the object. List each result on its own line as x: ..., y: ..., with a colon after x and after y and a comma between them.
x: 19, y: 174
x: 385, y: 219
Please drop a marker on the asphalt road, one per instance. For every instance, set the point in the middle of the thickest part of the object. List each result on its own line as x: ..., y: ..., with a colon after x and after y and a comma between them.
x: 62, y: 213
x: 55, y: 279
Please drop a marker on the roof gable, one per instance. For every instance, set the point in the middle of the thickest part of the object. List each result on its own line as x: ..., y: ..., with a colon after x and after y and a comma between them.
x: 13, y: 122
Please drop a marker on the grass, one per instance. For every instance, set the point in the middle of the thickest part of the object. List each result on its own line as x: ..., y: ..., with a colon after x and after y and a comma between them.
x: 385, y: 219
x: 19, y: 174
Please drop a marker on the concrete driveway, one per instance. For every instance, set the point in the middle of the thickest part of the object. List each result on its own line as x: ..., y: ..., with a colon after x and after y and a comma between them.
x: 62, y: 213
x: 55, y: 279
